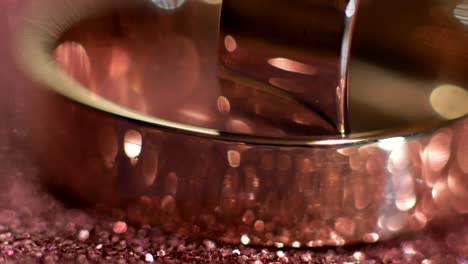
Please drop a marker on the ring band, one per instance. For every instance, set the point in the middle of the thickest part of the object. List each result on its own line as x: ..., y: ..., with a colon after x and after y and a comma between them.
x: 291, y: 191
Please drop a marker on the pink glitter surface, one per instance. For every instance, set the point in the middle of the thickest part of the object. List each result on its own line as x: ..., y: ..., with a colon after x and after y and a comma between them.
x: 35, y: 227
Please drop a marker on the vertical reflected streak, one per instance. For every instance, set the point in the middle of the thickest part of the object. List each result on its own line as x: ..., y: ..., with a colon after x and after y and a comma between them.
x: 342, y: 93
x: 74, y: 60
x: 150, y: 166
x: 108, y: 145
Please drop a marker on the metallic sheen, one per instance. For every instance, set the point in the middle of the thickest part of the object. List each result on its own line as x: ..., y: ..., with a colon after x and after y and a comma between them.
x: 232, y: 177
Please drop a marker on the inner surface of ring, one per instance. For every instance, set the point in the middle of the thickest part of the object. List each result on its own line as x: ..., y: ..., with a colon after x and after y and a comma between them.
x: 164, y: 62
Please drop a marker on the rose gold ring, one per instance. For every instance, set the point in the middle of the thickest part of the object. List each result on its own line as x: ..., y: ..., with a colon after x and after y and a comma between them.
x: 229, y: 119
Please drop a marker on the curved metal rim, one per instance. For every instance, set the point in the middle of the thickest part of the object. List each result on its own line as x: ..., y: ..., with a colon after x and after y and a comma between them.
x: 47, y: 21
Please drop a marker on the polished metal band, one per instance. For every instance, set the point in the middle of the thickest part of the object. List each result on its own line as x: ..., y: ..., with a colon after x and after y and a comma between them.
x: 236, y: 187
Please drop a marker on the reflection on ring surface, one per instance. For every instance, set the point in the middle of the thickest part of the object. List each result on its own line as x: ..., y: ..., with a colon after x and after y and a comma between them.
x: 333, y: 192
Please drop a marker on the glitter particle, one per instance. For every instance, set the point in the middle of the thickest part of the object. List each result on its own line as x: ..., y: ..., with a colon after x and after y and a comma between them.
x: 119, y: 227
x: 306, y: 257
x: 149, y: 257
x: 245, y: 239
x: 359, y: 256
x: 408, y: 249
x: 279, y: 244
x: 280, y: 253
x: 259, y: 226
x: 210, y: 245
x: 83, y: 235
x: 161, y: 253
x: 296, y: 244
x: 371, y: 237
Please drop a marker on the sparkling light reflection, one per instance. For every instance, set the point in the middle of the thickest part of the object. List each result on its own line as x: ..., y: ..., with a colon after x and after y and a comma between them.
x: 359, y: 256
x: 449, y: 101
x: 408, y: 249
x: 390, y: 144
x: 245, y: 240
x: 331, y: 142
x: 292, y: 66
x: 168, y: 4
x: 439, y: 190
x: 398, y: 161
x: 396, y: 222
x: 404, y: 204
x: 233, y: 158
x: 239, y: 126
x: 437, y: 152
x: 461, y: 12
x: 350, y: 9
x: 132, y: 143
x: 421, y: 217
x: 119, y: 64
x: 213, y: 2
x: 198, y: 116
x: 279, y: 245
x: 230, y: 43
x: 371, y: 237
x: 223, y: 104
x: 74, y: 59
